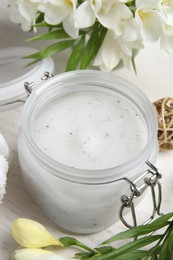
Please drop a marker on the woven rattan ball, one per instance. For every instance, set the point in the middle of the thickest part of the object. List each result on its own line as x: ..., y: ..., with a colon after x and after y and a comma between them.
x: 164, y: 109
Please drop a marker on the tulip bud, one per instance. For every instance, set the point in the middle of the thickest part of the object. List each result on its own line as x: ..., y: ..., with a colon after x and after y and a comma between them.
x: 35, y: 254
x: 31, y: 234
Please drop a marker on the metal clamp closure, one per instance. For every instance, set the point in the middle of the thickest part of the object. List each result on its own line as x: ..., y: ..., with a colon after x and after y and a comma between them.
x: 47, y: 75
x: 136, y: 191
x: 28, y: 89
x: 28, y: 86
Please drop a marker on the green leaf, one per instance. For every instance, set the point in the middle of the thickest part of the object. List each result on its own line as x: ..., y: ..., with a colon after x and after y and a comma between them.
x: 142, y: 230
x: 56, y: 34
x: 133, y: 60
x: 167, y: 246
x: 134, y: 255
x: 84, y: 255
x: 40, y: 18
x: 41, y: 24
x: 154, y: 257
x: 105, y: 249
x: 93, y: 45
x: 155, y: 251
x: 166, y: 251
x: 129, y: 247
x: 76, y: 55
x: 52, y: 49
x: 44, y: 24
x: 33, y: 62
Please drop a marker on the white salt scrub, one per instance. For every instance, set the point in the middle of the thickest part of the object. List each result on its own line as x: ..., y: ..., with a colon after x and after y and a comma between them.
x: 89, y: 130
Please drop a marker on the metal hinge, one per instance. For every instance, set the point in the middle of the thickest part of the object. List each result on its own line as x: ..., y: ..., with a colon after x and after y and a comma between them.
x: 152, y: 182
x: 28, y: 86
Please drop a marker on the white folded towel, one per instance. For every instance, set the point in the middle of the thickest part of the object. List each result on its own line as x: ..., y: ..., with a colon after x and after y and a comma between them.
x: 4, y: 158
x: 4, y: 149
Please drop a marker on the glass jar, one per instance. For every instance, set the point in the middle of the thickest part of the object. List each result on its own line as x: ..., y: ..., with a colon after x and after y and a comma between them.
x: 79, y: 195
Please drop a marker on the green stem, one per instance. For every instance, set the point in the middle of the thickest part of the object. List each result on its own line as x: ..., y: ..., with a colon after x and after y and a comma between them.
x: 78, y: 243
x: 70, y: 241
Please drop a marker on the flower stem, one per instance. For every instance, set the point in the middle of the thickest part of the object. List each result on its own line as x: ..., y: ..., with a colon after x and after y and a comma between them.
x: 70, y: 241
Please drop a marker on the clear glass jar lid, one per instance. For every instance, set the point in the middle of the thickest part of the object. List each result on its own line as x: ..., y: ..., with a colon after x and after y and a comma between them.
x: 14, y: 72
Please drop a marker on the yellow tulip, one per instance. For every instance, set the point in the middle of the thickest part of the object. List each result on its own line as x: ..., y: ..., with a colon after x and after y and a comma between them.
x: 35, y: 254
x: 31, y: 234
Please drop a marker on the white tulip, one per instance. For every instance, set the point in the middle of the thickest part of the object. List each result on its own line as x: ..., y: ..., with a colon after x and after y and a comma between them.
x: 57, y: 11
x: 31, y: 234
x: 152, y: 26
x: 114, y: 49
x: 149, y: 3
x: 109, y: 53
x: 110, y: 13
x: 164, y: 7
x: 23, y: 12
x: 131, y: 35
x: 156, y: 20
x: 85, y: 16
x: 166, y: 11
x: 35, y: 254
x: 150, y: 19
x: 166, y: 42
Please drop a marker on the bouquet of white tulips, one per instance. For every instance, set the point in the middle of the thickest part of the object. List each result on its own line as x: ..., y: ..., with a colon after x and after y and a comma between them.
x: 100, y: 33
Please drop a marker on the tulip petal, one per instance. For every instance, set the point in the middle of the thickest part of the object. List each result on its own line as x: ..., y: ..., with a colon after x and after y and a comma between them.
x: 132, y: 35
x: 57, y: 2
x: 35, y: 254
x: 108, y: 55
x: 85, y: 16
x: 166, y: 44
x: 69, y: 26
x: 149, y: 3
x: 31, y: 234
x: 131, y: 31
x: 23, y: 12
x: 54, y: 14
x: 112, y: 21
x: 151, y: 24
x: 166, y: 10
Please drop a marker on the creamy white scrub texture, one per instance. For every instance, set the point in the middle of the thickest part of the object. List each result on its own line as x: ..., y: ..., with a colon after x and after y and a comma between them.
x: 89, y: 130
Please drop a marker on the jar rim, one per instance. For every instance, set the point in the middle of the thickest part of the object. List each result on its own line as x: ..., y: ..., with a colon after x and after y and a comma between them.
x: 74, y: 174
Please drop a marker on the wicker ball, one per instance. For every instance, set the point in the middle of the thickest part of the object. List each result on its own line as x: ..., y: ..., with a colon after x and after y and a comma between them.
x: 164, y: 109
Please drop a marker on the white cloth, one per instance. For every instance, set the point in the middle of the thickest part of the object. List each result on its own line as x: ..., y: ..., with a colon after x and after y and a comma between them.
x: 4, y: 158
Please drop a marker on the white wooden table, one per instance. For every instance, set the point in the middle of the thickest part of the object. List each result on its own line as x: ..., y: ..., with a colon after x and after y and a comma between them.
x: 154, y: 77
